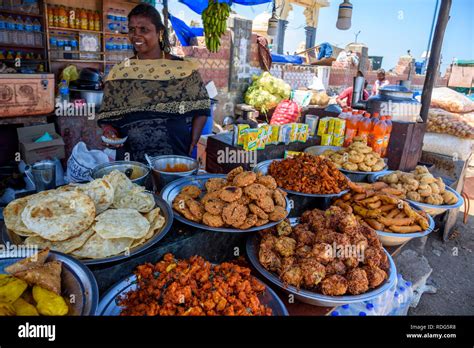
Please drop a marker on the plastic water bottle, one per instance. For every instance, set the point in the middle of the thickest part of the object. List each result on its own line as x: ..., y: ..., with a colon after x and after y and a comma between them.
x: 11, y: 33
x: 60, y: 46
x: 20, y: 28
x: 75, y: 47
x: 37, y: 33
x: 53, y: 44
x: 29, y: 35
x: 3, y: 30
x: 64, y: 91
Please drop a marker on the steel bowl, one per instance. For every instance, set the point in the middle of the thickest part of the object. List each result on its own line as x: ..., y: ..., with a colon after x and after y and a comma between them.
x: 262, y: 167
x: 77, y: 281
x: 319, y: 149
x: 108, y: 304
x: 357, y: 176
x: 140, y: 170
x: 171, y: 190
x: 11, y: 237
x: 430, y: 209
x: 312, y: 297
x: 161, y: 177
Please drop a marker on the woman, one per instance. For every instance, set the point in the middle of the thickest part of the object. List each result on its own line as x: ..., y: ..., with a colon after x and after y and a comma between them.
x: 380, y: 82
x: 156, y: 99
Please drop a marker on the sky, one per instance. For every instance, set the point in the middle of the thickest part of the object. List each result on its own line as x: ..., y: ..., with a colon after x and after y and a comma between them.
x: 388, y: 27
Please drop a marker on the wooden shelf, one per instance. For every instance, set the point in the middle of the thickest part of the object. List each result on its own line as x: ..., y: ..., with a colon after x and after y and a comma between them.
x: 20, y: 46
x: 19, y: 13
x: 116, y: 35
x: 85, y: 61
x: 76, y: 30
x: 24, y: 61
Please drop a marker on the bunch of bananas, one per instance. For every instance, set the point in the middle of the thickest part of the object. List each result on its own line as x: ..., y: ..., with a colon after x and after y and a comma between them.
x: 214, y: 19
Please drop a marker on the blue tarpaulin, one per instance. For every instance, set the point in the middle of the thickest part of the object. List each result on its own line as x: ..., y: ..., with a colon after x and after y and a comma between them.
x: 281, y: 58
x: 325, y: 50
x: 200, y: 5
x: 183, y: 32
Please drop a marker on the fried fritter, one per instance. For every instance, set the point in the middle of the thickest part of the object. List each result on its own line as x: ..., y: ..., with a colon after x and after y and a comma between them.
x: 334, y: 285
x: 357, y: 282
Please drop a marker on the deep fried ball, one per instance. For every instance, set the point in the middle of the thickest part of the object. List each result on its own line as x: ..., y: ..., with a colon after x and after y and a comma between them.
x: 357, y: 282
x: 284, y: 228
x: 335, y: 267
x: 303, y: 234
x: 323, y: 253
x: 372, y: 257
x: 351, y: 262
x: 304, y: 251
x: 313, y: 272
x: 375, y: 275
x: 285, y: 246
x: 269, y: 259
x: 334, y: 285
x: 292, y: 276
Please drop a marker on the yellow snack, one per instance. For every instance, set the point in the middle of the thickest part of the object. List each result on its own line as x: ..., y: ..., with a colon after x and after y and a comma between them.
x: 294, y: 132
x: 331, y: 126
x: 274, y: 134
x: 6, y: 309
x: 326, y: 139
x: 284, y: 134
x: 337, y: 141
x: 48, y: 303
x: 251, y: 139
x: 12, y: 289
x: 303, y: 132
x: 23, y: 308
x: 312, y: 122
x: 339, y: 127
x: 240, y: 131
x: 323, y: 126
x: 291, y: 154
x: 261, y: 138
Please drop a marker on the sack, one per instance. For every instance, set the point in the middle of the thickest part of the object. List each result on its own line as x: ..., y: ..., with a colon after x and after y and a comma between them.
x: 452, y: 101
x: 287, y: 111
x: 444, y: 122
x: 82, y: 161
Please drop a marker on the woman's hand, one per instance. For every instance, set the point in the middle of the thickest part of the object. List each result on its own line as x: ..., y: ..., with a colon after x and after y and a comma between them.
x: 198, y: 125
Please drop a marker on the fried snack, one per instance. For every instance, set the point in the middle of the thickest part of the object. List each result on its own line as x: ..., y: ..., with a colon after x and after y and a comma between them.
x: 230, y: 193
x: 308, y: 174
x: 194, y: 287
x: 357, y: 157
x: 313, y: 254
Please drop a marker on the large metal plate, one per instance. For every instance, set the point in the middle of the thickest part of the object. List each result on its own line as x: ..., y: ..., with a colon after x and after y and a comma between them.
x: 262, y: 167
x: 171, y: 190
x: 108, y: 304
x: 166, y: 211
x: 315, y: 298
x: 78, y: 284
x: 429, y: 208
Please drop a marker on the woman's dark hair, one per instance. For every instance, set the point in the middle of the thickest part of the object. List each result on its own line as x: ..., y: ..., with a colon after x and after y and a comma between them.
x: 148, y: 11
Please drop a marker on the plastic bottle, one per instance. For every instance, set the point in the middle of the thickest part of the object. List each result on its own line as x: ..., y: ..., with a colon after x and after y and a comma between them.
x: 84, y: 21
x: 60, y: 46
x: 3, y: 30
x: 56, y: 16
x: 53, y: 44
x: 373, y: 121
x: 109, y: 46
x: 71, y: 17
x: 388, y: 131
x: 20, y: 31
x: 90, y: 20
x: 38, y: 35
x: 62, y: 17
x: 96, y: 21
x: 50, y: 16
x: 77, y: 18
x: 29, y: 35
x: 352, y: 122
x: 363, y: 127
x: 67, y: 47
x: 11, y: 32
x: 64, y: 91
x: 75, y: 47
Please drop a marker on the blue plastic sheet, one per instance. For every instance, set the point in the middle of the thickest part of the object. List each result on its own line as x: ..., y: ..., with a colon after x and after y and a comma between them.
x: 290, y: 59
x: 325, y: 50
x: 200, y: 5
x: 183, y: 32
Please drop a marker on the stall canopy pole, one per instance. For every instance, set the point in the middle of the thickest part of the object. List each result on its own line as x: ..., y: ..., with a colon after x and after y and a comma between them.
x: 433, y: 64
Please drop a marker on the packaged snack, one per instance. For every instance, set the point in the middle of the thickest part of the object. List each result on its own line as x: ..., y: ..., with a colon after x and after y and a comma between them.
x: 284, y: 134
x: 239, y: 133
x: 266, y: 131
x: 323, y: 126
x: 337, y: 140
x: 261, y: 138
x: 274, y: 135
x: 331, y: 125
x: 339, y: 127
x: 250, y: 139
x: 326, y: 139
x: 303, y: 132
x: 294, y: 132
x: 312, y: 122
x: 291, y: 154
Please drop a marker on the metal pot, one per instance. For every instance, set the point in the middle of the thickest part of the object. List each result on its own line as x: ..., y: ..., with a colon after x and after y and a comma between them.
x: 91, y: 97
x: 132, y: 169
x: 161, y: 177
x: 396, y: 101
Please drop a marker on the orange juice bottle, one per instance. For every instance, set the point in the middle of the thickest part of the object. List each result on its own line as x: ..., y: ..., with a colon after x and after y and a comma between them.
x: 386, y: 139
x: 62, y: 14
x: 56, y: 16
x: 363, y: 127
x: 71, y: 16
x: 351, y: 128
x: 375, y: 118
x: 90, y: 20
x: 96, y: 21
x: 77, y: 18
x: 83, y: 15
x: 379, y: 131
x: 50, y: 15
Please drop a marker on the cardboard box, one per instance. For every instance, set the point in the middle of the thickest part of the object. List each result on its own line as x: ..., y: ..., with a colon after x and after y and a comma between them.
x: 32, y: 152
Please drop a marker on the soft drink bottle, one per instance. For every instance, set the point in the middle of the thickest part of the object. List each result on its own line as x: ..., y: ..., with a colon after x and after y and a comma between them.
x: 373, y: 120
x: 363, y: 127
x: 351, y: 128
x: 380, y: 128
x: 388, y: 122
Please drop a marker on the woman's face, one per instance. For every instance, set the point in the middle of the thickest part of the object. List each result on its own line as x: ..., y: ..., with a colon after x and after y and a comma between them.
x: 143, y: 35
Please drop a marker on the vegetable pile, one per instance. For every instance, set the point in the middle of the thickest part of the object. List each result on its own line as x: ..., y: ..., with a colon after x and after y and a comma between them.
x: 266, y: 92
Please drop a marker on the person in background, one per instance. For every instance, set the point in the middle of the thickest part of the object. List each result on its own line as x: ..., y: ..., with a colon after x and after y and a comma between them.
x: 345, y: 98
x: 380, y: 82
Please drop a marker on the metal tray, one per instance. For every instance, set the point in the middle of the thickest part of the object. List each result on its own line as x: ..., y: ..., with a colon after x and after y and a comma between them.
x: 9, y: 236
x: 76, y: 280
x: 315, y: 298
x: 171, y: 190
x: 357, y: 176
x: 429, y: 208
x: 108, y: 304
x: 262, y: 167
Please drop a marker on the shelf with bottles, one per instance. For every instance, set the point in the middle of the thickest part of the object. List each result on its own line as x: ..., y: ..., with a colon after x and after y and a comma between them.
x: 116, y: 22
x: 21, y: 29
x: 77, y: 61
x: 19, y: 13
x: 118, y: 49
x: 21, y: 7
x: 61, y: 17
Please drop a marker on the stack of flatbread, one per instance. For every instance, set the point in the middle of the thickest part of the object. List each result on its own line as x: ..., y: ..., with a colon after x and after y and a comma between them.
x: 99, y: 219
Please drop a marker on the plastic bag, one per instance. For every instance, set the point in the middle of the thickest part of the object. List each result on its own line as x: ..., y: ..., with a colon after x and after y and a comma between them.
x: 69, y: 74
x: 82, y: 161
x: 302, y: 98
x: 441, y: 121
x: 287, y: 111
x: 452, y: 101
